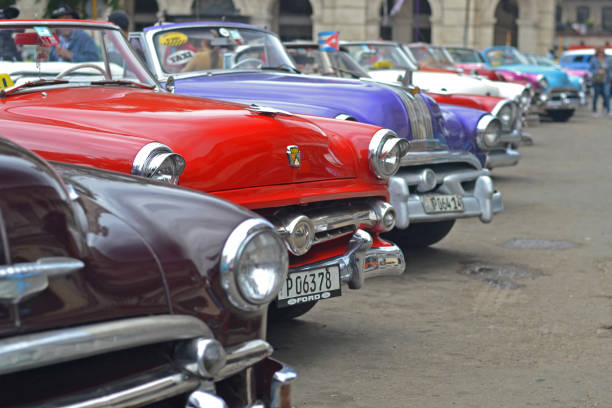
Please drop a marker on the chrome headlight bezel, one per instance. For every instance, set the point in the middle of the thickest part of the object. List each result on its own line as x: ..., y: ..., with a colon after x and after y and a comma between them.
x: 158, y: 162
x: 235, y: 248
x: 488, y: 132
x: 542, y: 83
x: 386, y: 145
x: 507, y: 112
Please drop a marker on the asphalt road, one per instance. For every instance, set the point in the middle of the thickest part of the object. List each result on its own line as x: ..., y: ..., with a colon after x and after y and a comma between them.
x: 516, y: 313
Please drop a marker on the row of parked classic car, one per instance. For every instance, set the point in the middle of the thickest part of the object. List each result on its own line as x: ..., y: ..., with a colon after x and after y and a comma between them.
x: 122, y: 285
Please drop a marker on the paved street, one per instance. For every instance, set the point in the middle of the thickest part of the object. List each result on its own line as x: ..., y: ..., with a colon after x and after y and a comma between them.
x: 516, y: 313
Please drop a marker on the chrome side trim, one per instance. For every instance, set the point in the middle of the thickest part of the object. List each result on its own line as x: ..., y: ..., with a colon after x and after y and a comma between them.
x: 344, y: 116
x: 56, y: 346
x: 22, y: 280
x: 243, y: 356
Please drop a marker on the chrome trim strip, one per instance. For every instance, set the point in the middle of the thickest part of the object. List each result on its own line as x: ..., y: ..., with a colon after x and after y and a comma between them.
x: 440, y: 157
x: 243, y: 356
x: 344, y: 116
x: 56, y: 346
x: 143, y: 394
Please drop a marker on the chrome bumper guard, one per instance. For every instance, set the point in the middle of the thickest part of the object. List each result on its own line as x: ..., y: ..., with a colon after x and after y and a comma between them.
x: 37, y: 350
x: 511, y: 137
x: 480, y: 199
x: 502, y: 158
x: 361, y: 261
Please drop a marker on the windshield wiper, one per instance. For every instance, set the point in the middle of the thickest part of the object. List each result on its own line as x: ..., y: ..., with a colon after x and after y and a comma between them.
x: 122, y: 82
x: 283, y: 67
x: 32, y: 84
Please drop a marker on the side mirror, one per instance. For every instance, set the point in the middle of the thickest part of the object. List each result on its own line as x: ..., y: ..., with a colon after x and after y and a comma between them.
x: 170, y: 84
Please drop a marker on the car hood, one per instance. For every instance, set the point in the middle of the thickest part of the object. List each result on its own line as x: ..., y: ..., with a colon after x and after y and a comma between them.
x: 225, y: 145
x: 367, y: 102
x: 440, y: 82
x: 554, y: 76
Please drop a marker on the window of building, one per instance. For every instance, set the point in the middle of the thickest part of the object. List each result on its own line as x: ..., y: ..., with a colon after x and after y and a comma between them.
x: 582, y: 14
x: 606, y: 19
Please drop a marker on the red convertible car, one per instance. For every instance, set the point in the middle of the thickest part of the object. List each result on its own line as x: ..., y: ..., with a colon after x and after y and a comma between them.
x: 321, y: 182
x: 114, y: 302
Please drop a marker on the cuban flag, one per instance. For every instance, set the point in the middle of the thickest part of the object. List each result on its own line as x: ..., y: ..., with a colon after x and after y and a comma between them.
x: 329, y: 40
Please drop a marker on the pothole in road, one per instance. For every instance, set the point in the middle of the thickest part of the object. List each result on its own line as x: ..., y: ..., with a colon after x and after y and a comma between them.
x: 499, y: 276
x: 529, y: 243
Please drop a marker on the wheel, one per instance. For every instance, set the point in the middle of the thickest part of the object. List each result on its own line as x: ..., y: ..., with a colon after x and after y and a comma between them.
x: 282, y: 314
x: 561, y: 115
x: 79, y: 66
x: 420, y: 235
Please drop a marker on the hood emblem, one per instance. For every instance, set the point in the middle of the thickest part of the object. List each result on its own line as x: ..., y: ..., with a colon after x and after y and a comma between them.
x: 294, y: 156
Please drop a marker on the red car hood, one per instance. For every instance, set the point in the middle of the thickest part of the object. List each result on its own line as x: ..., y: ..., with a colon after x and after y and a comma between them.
x: 482, y: 102
x: 225, y: 145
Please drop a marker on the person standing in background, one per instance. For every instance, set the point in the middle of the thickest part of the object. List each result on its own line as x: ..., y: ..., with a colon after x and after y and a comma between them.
x: 121, y: 19
x: 601, y: 69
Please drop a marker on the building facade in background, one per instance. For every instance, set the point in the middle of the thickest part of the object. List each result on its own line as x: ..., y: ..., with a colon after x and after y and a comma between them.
x: 528, y: 24
x: 586, y: 22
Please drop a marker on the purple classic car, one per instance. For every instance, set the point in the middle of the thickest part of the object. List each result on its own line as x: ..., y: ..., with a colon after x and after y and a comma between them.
x: 246, y: 64
x: 111, y: 294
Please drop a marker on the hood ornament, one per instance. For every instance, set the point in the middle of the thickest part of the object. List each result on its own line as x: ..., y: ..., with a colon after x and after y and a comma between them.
x: 267, y: 110
x: 294, y: 155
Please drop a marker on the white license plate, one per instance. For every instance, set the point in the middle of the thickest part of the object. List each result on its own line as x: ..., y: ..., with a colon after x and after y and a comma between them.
x: 438, y: 203
x: 309, y: 286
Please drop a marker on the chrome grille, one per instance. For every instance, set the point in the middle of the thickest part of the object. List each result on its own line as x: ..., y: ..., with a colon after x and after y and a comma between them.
x: 556, y: 94
x: 420, y: 117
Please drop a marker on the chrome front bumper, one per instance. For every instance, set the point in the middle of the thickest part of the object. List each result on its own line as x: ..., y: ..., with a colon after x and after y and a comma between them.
x: 475, y: 187
x: 364, y: 258
x: 38, y: 350
x: 502, y: 158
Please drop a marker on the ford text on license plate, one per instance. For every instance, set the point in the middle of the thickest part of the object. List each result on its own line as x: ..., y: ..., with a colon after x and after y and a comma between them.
x: 309, y: 286
x: 438, y: 203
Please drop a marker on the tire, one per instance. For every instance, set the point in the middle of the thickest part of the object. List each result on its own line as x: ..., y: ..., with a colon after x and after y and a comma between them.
x: 561, y: 115
x: 283, y: 314
x: 420, y: 235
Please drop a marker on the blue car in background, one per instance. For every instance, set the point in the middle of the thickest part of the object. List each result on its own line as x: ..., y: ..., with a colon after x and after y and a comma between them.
x: 559, y: 96
x: 442, y: 176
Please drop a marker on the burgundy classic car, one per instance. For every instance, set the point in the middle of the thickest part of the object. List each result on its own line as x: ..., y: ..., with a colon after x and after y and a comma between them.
x: 112, y: 292
x: 321, y: 182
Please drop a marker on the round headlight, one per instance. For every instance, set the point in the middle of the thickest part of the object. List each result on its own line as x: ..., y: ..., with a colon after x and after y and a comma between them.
x: 505, y: 116
x: 542, y: 83
x: 385, y: 153
x: 157, y: 161
x: 525, y: 98
x: 254, y: 265
x: 489, y: 132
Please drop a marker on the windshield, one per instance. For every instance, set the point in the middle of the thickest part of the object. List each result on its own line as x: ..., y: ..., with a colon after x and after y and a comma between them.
x: 379, y: 56
x: 442, y: 56
x: 505, y: 56
x: 466, y: 56
x: 190, y: 49
x: 311, y: 60
x: 77, y: 54
x: 422, y: 55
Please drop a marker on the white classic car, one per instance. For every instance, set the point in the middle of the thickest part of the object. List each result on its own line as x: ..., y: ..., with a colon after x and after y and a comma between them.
x: 387, y: 62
